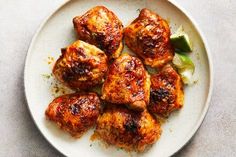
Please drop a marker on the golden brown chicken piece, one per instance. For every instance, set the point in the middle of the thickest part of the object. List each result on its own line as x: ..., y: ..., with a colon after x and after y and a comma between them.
x: 127, y: 129
x: 101, y: 27
x: 75, y: 113
x: 149, y: 37
x: 81, y: 65
x: 127, y: 83
x: 166, y: 92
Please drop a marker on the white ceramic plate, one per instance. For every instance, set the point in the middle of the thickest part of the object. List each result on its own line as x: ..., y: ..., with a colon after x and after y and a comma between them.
x: 57, y: 32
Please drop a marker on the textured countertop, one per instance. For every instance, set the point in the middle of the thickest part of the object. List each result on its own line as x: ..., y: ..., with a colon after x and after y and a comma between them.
x: 18, y: 23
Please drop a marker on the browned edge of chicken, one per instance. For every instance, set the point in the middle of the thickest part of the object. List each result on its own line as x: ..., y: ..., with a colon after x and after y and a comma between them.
x: 74, y: 113
x: 167, y: 92
x: 81, y: 66
x: 149, y: 37
x: 101, y: 27
x: 127, y: 129
x: 127, y: 82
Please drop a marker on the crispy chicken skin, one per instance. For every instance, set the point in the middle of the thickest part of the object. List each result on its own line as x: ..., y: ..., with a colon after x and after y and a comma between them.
x: 101, y: 27
x: 166, y: 92
x: 75, y: 113
x: 149, y: 37
x: 81, y: 66
x: 127, y: 83
x: 127, y: 129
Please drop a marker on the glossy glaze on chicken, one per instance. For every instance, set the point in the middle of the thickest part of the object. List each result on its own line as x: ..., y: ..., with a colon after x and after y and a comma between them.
x: 81, y: 66
x: 149, y: 37
x: 101, y: 27
x: 166, y: 92
x: 75, y: 113
x: 128, y: 129
x: 131, y: 97
x: 127, y: 83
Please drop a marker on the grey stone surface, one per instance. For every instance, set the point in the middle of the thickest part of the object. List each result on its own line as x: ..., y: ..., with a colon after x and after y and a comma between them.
x: 18, y: 23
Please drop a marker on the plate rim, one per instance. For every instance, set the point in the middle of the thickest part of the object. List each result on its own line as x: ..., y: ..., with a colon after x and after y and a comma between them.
x: 208, y: 54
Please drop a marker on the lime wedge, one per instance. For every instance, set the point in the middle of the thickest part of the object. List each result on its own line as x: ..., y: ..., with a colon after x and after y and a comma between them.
x: 185, y: 67
x: 180, y: 41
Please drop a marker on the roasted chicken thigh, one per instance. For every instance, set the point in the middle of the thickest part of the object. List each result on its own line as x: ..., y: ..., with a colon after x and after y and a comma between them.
x: 166, y: 92
x: 81, y: 66
x: 149, y: 37
x: 75, y: 113
x: 127, y: 83
x: 127, y: 129
x: 101, y: 27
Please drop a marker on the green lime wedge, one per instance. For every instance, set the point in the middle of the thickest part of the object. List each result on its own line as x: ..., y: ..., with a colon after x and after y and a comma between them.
x: 185, y: 67
x: 180, y: 41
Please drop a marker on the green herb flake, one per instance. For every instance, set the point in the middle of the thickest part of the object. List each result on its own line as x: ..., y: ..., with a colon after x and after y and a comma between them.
x: 47, y: 76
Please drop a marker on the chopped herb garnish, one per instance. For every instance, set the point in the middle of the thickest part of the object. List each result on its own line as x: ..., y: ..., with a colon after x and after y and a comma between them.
x: 47, y: 76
